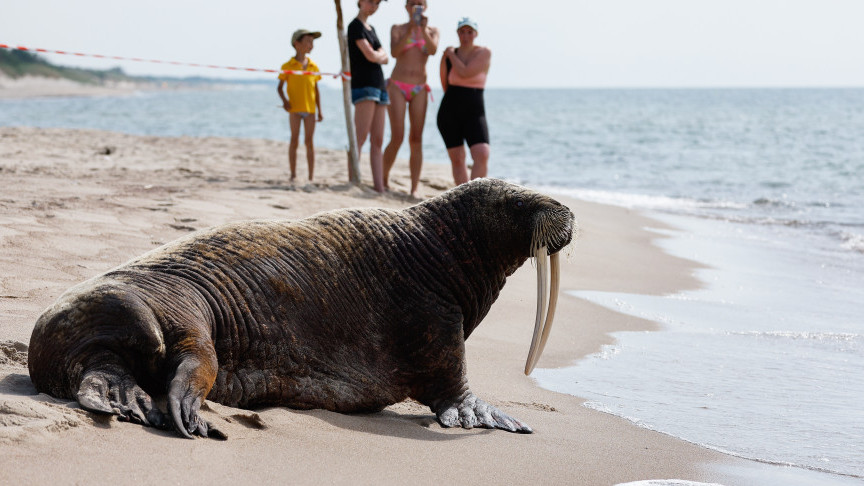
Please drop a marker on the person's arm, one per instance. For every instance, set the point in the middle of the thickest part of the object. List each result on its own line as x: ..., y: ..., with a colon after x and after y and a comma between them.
x: 372, y: 55
x: 432, y: 36
x: 443, y: 70
x: 318, y: 103
x: 399, y: 38
x: 479, y: 63
x: 279, y: 89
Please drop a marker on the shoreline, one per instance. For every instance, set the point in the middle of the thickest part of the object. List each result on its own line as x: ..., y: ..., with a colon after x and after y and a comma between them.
x: 744, y: 309
x: 82, y: 201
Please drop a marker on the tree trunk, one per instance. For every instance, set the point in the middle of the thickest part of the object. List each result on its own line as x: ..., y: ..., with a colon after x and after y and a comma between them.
x: 353, y: 154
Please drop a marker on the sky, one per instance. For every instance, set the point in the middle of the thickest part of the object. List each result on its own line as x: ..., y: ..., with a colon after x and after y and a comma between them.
x: 539, y: 44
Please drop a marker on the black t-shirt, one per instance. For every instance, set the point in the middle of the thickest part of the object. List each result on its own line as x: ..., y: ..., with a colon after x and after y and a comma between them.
x: 363, y: 72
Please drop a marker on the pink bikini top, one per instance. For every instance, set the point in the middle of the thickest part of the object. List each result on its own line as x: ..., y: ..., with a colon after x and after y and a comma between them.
x: 416, y: 41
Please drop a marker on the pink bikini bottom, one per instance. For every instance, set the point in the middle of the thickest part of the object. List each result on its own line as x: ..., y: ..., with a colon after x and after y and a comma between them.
x: 411, y: 90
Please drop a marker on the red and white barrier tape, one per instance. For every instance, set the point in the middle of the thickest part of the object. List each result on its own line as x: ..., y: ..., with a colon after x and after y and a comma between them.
x: 345, y: 76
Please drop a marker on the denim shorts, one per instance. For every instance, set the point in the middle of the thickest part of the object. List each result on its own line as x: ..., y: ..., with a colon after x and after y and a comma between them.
x: 379, y: 96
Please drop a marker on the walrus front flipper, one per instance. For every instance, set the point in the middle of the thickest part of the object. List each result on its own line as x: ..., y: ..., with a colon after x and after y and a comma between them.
x: 468, y: 411
x: 186, y: 393
x: 110, y: 389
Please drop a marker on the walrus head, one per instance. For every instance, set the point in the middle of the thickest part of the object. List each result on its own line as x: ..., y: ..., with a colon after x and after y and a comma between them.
x: 523, y: 224
x: 553, y: 230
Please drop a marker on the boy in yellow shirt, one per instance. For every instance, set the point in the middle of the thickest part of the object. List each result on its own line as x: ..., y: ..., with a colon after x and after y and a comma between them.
x: 303, y: 97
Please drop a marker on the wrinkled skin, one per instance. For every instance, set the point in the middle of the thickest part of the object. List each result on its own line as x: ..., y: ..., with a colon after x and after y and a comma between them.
x: 349, y: 311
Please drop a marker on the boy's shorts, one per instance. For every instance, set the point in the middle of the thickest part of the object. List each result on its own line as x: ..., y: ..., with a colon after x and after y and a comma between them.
x: 379, y: 96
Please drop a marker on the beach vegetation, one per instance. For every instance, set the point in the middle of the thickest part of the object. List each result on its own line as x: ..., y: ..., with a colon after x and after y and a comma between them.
x: 16, y: 64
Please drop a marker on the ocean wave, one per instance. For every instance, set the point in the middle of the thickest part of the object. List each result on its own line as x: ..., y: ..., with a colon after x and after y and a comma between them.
x: 642, y: 201
x: 838, y: 341
x: 844, y: 234
x: 784, y: 203
x: 607, y: 351
x: 777, y: 203
x: 602, y: 407
x: 799, y: 335
x: 769, y: 221
x: 852, y: 241
x: 699, y: 207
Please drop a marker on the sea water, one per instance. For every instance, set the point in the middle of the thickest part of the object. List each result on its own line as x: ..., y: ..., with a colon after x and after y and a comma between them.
x: 764, y: 362
x: 764, y: 187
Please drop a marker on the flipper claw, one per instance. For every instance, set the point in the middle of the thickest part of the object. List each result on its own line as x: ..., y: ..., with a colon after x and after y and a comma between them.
x: 110, y: 391
x: 184, y: 403
x: 468, y: 411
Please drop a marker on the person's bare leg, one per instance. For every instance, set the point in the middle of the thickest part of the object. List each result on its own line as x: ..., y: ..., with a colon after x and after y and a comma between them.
x: 396, y: 110
x: 294, y: 121
x: 309, y: 134
x: 480, y: 156
x: 376, y: 141
x: 364, y: 112
x: 457, y: 161
x: 417, y: 117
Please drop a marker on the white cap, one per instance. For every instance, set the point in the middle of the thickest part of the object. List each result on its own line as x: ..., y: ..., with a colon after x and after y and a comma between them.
x: 467, y: 21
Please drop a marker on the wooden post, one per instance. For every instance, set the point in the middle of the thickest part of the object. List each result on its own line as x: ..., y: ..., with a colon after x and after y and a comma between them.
x: 353, y: 154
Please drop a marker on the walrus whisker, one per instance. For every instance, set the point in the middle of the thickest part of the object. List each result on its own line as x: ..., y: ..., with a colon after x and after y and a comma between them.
x: 542, y: 258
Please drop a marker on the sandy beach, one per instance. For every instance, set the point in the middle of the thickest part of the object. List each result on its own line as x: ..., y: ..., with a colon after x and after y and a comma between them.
x: 75, y: 203
x: 39, y: 86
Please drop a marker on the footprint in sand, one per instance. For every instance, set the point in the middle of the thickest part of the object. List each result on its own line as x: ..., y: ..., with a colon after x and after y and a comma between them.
x: 13, y: 353
x: 26, y: 416
x: 536, y: 406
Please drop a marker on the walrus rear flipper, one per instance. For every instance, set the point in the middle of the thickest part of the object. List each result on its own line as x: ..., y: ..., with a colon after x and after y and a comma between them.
x: 102, y: 346
x: 108, y: 388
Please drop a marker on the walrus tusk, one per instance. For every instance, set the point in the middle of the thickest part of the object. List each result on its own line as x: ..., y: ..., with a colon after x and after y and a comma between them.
x: 541, y: 257
x: 553, y: 303
x: 537, y: 347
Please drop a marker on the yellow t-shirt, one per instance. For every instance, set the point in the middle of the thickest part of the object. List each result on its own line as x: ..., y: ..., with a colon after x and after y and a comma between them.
x: 300, y: 87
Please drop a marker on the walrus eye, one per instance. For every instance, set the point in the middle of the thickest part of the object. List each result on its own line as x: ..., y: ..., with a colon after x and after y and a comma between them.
x: 519, y: 203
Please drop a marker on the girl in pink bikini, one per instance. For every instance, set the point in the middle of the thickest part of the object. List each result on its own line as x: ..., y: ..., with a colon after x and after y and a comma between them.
x: 411, y: 44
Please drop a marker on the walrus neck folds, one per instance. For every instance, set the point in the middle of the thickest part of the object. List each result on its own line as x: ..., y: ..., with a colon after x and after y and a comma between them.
x: 480, y: 269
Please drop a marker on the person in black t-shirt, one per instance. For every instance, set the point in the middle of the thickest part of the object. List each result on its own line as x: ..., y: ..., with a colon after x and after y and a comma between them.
x: 368, y: 89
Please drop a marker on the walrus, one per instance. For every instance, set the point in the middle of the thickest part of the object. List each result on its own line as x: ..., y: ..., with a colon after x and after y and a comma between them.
x: 349, y: 310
